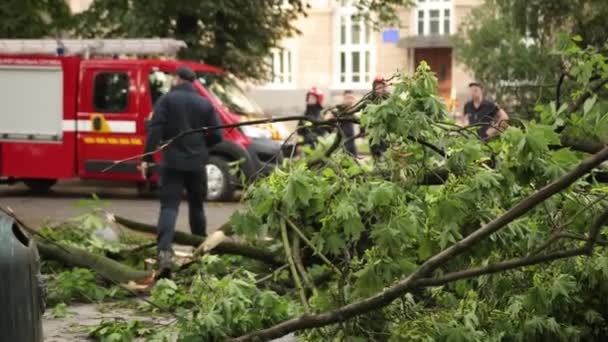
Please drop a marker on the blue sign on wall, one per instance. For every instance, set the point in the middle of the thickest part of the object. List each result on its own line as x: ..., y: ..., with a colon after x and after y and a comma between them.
x: 390, y: 36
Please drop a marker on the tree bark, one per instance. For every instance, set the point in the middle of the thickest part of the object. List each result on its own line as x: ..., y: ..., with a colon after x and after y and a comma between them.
x: 107, y: 268
x: 225, y: 247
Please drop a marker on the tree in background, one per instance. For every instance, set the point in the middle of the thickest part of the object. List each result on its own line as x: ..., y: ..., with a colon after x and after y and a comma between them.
x: 509, y: 45
x: 33, y: 18
x: 234, y: 35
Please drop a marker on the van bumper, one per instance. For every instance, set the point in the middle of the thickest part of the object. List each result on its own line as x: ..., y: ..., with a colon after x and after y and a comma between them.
x: 265, y: 154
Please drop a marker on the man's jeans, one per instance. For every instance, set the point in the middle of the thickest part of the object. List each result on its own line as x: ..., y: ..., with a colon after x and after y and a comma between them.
x: 172, y: 186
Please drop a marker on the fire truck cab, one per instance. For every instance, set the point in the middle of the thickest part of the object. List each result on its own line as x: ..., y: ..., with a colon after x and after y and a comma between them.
x: 66, y: 117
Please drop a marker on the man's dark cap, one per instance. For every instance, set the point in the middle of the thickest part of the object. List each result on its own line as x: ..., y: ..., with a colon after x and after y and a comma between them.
x: 475, y: 84
x: 185, y: 73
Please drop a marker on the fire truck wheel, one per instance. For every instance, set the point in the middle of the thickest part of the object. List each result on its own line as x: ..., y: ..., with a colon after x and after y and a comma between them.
x: 221, y: 185
x: 40, y: 186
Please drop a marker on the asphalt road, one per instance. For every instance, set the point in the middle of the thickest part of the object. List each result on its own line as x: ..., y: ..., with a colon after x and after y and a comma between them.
x: 62, y: 203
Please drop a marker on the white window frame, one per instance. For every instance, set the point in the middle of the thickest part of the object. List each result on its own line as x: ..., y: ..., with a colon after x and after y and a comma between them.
x: 287, y: 55
x: 346, y: 10
x: 426, y: 6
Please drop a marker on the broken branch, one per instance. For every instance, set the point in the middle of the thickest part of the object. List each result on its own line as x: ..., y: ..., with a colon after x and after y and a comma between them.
x: 402, y: 287
x: 224, y: 247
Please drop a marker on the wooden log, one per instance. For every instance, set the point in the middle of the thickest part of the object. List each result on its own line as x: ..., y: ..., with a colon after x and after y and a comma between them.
x: 107, y: 268
x: 224, y: 247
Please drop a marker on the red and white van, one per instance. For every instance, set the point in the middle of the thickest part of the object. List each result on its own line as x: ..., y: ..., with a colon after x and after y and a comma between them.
x: 66, y: 117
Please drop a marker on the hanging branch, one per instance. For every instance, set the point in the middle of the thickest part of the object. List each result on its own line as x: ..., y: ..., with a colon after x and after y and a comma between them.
x: 167, y: 143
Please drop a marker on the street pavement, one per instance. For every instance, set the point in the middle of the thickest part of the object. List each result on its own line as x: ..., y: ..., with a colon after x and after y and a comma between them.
x: 62, y: 203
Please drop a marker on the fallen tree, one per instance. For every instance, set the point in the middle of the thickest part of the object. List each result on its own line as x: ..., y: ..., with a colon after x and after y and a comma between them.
x: 420, y: 278
x: 108, y: 269
x: 224, y: 247
x: 401, y: 260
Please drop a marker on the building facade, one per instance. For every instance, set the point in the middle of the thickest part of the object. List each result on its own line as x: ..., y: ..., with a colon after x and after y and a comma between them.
x: 336, y: 51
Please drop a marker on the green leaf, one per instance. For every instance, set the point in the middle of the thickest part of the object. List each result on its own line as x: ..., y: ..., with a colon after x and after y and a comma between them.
x: 353, y: 227
x: 298, y: 190
x: 562, y: 286
x: 588, y: 105
x: 334, y: 244
x: 425, y: 249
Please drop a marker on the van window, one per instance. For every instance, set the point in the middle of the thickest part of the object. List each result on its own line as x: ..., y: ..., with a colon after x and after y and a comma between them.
x: 111, y: 92
x: 160, y: 83
x: 228, y: 93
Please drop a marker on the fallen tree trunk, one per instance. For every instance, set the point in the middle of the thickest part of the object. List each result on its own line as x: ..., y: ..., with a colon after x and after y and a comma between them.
x: 224, y: 247
x: 107, y: 268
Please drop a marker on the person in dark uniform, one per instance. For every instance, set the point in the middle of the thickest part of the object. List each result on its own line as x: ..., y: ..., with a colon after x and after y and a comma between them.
x: 347, y: 128
x: 484, y: 113
x: 183, y: 161
x: 380, y: 93
x: 314, y: 106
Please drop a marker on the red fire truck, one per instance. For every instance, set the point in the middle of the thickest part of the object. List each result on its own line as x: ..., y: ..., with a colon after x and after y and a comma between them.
x: 72, y: 116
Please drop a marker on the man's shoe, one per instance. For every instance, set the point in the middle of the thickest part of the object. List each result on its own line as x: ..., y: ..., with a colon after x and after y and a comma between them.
x: 165, y: 263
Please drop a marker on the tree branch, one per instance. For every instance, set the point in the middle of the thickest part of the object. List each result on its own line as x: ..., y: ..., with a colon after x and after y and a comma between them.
x: 599, y: 222
x: 292, y: 265
x: 310, y: 244
x: 399, y: 289
x: 297, y: 258
x: 314, y: 122
x: 225, y: 247
x: 558, y: 90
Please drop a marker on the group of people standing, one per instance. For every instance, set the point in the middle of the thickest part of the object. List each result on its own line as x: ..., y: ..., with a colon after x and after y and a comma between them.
x: 484, y: 114
x: 315, y: 111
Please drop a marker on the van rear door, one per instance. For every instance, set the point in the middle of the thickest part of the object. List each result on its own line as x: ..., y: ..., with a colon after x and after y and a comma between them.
x: 38, y: 99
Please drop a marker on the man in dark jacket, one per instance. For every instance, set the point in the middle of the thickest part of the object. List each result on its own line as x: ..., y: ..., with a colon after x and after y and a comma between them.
x: 484, y: 113
x: 183, y: 161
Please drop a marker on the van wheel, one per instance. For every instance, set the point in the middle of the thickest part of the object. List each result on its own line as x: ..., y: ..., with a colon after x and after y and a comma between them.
x: 40, y: 186
x: 221, y: 185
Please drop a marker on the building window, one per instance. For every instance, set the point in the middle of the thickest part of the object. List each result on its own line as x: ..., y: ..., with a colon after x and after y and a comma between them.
x: 434, y: 17
x: 354, y: 49
x: 281, y: 67
x: 111, y: 92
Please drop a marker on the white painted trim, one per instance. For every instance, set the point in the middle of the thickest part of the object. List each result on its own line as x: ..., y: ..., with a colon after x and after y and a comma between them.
x: 347, y: 13
x: 427, y: 6
x: 116, y: 126
x: 288, y: 49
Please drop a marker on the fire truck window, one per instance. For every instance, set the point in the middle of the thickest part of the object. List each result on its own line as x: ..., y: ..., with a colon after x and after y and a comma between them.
x: 111, y: 92
x: 160, y: 83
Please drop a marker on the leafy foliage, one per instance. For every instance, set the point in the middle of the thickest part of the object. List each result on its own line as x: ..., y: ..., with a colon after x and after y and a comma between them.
x: 212, y: 308
x: 118, y: 330
x: 377, y: 223
x: 33, y: 18
x: 78, y: 285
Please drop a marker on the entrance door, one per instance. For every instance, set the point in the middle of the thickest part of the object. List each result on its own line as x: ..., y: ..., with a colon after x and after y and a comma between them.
x: 440, y: 61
